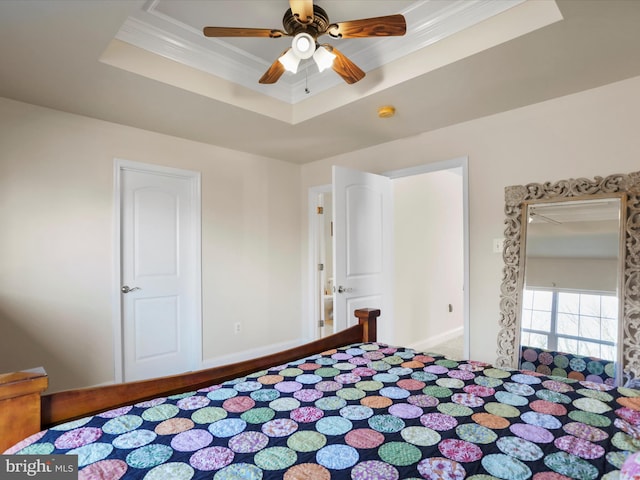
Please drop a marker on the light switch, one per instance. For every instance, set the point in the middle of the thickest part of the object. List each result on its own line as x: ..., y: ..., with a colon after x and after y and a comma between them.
x: 498, y: 245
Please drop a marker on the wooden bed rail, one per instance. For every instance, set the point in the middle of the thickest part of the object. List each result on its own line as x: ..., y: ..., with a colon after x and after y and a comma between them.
x: 21, y: 399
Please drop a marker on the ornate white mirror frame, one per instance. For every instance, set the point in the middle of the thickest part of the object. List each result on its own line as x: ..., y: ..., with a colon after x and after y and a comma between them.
x: 516, y: 198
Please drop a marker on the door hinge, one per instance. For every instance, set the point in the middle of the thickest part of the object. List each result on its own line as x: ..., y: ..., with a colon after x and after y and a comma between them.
x: 321, y: 323
x: 321, y: 267
x: 320, y: 210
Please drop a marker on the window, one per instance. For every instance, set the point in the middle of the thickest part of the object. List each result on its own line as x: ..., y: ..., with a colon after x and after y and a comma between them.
x: 582, y: 323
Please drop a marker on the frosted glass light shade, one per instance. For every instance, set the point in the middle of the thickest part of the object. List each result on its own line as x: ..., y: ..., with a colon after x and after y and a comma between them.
x: 323, y: 58
x: 290, y: 61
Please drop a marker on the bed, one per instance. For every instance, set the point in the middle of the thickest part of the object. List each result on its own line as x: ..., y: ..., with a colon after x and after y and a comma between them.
x: 345, y: 407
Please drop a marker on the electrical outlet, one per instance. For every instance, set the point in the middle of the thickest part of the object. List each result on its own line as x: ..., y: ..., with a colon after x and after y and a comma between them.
x: 236, y: 327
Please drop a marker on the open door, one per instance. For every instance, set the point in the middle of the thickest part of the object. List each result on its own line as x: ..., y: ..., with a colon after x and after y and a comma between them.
x: 362, y: 247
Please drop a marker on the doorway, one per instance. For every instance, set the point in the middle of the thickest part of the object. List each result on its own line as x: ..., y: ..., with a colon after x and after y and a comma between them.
x: 157, y: 313
x: 421, y: 305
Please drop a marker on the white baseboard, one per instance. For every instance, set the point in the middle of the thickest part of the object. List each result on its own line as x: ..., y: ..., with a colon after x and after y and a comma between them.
x: 430, y: 342
x: 250, y: 353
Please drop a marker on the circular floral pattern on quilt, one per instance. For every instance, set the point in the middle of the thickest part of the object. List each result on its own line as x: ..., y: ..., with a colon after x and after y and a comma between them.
x: 586, y: 432
x: 367, y: 412
x: 631, y: 416
x: 363, y: 438
x: 552, y: 396
x: 526, y: 379
x: 502, y: 410
x: 248, y: 442
x: 547, y: 407
x: 275, y: 458
x: 284, y: 404
x: 590, y: 418
x: 208, y: 415
x: 245, y: 471
x: 460, y: 450
x: 597, y: 394
x: 337, y: 457
x: 421, y: 436
x: 376, y: 401
x: 211, y: 458
x: 373, y: 470
x: 399, y: 454
x: 115, y: 468
x: 571, y: 466
x: 333, y: 426
x: 440, y: 467
x: 149, y: 456
x: 511, y: 399
x: 82, y: 436
x: 532, y: 433
x: 439, y: 421
x: 306, y: 441
x: 173, y: 470
x: 305, y: 471
x: 505, y: 466
x: 475, y: 433
x: 519, y: 448
x: 386, y: 423
x: 579, y: 447
x: 480, y: 390
x: 134, y: 439
x: 491, y: 421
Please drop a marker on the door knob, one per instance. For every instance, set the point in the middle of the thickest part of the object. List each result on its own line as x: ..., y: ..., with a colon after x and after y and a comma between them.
x: 126, y: 289
x: 342, y: 289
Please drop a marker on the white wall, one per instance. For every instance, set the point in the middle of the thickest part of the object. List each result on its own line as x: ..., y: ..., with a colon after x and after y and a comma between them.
x: 56, y: 211
x: 56, y: 195
x: 583, y: 135
x: 428, y: 257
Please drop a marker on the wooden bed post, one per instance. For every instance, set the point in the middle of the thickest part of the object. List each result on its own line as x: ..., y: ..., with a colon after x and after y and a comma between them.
x: 367, y: 317
x: 20, y: 405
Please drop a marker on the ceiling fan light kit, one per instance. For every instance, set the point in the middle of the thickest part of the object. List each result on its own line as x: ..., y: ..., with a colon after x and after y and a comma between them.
x: 305, y: 22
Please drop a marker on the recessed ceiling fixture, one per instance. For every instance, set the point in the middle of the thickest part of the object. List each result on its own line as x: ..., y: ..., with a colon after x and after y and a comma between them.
x: 386, y: 111
x: 305, y: 22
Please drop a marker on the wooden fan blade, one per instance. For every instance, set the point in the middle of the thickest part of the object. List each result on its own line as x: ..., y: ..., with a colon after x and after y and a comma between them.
x: 242, y: 32
x: 388, y: 26
x: 275, y: 71
x: 302, y: 10
x: 344, y: 67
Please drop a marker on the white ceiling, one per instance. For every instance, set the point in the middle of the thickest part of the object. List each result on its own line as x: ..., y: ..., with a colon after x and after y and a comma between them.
x: 146, y: 64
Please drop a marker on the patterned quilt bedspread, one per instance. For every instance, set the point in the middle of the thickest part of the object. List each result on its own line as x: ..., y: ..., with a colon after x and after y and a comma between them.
x: 363, y: 412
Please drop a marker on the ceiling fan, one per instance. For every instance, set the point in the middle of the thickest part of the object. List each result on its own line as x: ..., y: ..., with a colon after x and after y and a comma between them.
x: 305, y: 22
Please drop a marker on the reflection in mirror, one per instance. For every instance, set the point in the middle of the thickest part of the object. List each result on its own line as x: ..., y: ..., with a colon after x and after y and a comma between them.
x: 518, y: 198
x: 569, y: 308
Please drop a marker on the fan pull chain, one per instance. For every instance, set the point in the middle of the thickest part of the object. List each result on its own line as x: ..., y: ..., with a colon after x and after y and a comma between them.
x: 306, y: 80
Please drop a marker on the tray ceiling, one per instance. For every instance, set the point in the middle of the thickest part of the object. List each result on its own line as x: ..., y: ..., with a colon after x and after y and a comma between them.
x: 146, y: 64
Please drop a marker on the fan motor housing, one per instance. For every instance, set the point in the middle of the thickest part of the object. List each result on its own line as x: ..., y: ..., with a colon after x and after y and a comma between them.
x: 316, y: 28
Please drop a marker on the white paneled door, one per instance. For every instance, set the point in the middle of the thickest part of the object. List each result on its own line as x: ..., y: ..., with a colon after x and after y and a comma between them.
x: 362, y: 246
x: 160, y: 286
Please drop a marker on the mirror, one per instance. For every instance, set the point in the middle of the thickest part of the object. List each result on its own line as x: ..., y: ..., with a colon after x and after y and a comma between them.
x: 557, y: 235
x: 569, y: 303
